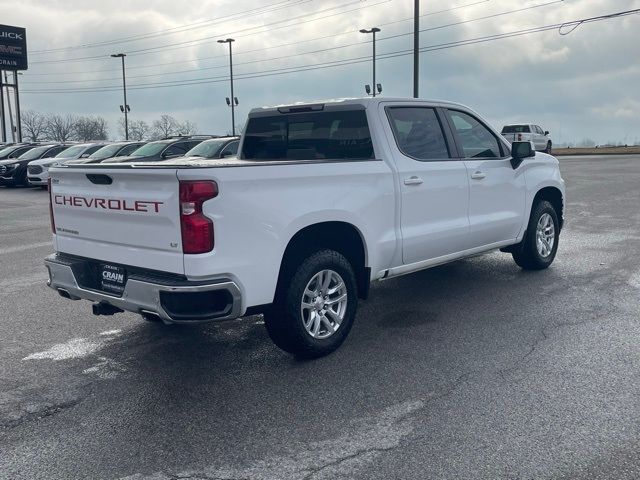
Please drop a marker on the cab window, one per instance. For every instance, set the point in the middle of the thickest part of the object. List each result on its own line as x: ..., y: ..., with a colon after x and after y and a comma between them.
x: 476, y: 140
x: 418, y: 133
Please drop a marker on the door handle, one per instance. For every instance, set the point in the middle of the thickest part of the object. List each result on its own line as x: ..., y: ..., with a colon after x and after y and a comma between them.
x: 413, y: 180
x: 478, y: 175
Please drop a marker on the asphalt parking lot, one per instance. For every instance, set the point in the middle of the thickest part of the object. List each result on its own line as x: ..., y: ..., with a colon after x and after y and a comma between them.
x: 471, y: 370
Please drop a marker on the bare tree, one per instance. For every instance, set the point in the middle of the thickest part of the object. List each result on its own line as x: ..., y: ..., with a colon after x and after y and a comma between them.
x: 187, y: 128
x: 90, y: 128
x: 60, y: 128
x: 165, y: 127
x: 138, y: 130
x: 34, y: 125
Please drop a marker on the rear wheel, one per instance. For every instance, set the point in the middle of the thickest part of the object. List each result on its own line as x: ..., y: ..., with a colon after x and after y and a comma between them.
x: 315, y: 306
x: 540, y: 244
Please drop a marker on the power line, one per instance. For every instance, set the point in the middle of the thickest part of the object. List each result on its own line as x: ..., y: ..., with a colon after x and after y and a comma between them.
x: 495, y: 15
x: 172, y: 46
x: 344, y: 62
x: 75, y: 72
x: 170, y: 31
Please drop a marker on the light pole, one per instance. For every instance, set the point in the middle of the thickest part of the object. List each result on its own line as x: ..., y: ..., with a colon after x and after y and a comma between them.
x: 374, y: 30
x: 124, y: 108
x: 416, y: 46
x: 233, y: 101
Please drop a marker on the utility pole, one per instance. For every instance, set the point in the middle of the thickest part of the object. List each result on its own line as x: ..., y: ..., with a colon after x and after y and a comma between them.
x: 18, y: 113
x: 373, y: 31
x: 3, y: 124
x: 124, y: 108
x: 11, y: 126
x: 233, y: 101
x: 416, y: 48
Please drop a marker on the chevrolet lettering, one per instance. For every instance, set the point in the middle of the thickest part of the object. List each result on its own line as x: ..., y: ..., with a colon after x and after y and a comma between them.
x: 108, y: 203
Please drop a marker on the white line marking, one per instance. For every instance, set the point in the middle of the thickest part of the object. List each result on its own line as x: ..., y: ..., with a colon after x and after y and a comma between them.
x: 21, y: 248
x: 16, y: 284
x: 74, y: 348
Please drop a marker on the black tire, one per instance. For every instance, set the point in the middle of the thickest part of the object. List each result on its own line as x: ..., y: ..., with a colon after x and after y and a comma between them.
x: 526, y: 254
x: 284, y: 319
x: 548, y: 149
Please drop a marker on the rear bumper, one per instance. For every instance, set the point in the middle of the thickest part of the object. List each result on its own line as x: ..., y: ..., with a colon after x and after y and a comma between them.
x: 180, y: 302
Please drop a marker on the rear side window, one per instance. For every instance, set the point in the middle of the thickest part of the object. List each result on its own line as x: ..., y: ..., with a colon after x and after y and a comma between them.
x: 54, y: 151
x: 90, y: 150
x: 476, y: 140
x: 128, y: 149
x: 231, y: 149
x: 309, y: 136
x: 516, y: 129
x: 418, y: 132
x: 176, y: 149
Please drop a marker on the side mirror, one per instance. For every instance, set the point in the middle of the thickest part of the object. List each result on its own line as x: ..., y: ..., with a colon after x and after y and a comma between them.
x: 85, y: 155
x: 546, y: 132
x: 520, y: 151
x: 226, y: 154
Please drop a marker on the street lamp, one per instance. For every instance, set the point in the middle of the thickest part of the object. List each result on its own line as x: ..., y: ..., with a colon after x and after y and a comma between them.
x: 233, y: 101
x: 374, y: 30
x: 124, y: 108
x: 416, y: 47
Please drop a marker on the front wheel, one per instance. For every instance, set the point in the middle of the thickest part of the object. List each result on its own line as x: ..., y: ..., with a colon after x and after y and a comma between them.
x: 315, y: 307
x: 548, y: 148
x: 540, y: 244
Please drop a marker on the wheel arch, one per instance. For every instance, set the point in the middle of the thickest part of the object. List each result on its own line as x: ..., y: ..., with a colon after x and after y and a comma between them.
x: 554, y: 196
x: 343, y: 237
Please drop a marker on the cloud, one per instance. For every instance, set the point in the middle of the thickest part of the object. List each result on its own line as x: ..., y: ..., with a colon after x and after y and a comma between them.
x: 578, y: 85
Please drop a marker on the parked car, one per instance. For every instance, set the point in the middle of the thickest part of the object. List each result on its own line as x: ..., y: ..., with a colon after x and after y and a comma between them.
x: 322, y: 200
x: 13, y: 171
x: 528, y: 133
x: 215, y: 148
x: 15, y: 150
x: 38, y: 170
x: 118, y: 149
x: 160, y: 150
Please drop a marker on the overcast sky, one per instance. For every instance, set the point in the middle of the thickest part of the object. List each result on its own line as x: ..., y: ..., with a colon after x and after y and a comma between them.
x: 582, y: 85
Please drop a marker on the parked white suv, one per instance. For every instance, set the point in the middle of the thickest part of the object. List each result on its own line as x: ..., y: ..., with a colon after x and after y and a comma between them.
x: 528, y: 133
x: 38, y: 170
x: 322, y: 199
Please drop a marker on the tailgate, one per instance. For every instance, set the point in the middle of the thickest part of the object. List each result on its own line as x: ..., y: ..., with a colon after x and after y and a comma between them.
x: 121, y: 216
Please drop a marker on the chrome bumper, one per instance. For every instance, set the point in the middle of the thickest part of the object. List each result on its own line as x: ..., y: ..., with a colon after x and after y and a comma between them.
x: 140, y: 296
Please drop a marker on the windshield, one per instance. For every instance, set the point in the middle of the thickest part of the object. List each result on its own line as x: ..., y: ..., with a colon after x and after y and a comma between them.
x: 341, y: 134
x: 516, y: 129
x: 7, y: 150
x: 72, y: 152
x: 208, y: 149
x: 106, y: 152
x: 149, y: 149
x: 34, y: 153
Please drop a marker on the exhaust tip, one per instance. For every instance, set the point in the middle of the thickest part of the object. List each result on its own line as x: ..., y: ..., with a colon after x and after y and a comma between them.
x: 103, y: 308
x: 63, y: 293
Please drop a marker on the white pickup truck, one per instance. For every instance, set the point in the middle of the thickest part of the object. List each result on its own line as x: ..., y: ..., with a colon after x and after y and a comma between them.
x: 323, y: 199
x: 529, y: 133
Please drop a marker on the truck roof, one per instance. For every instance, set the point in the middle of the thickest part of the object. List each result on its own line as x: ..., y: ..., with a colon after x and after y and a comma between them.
x: 364, y: 102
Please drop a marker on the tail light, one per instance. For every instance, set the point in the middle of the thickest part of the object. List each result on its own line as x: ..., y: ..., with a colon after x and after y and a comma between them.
x: 53, y: 221
x: 197, y: 230
x: 519, y: 137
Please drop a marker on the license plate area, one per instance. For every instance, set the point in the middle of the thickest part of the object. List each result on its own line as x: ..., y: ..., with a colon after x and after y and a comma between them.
x: 112, y: 278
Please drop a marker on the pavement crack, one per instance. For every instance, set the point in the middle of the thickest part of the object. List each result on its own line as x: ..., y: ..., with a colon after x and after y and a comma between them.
x: 352, y: 456
x: 42, y: 412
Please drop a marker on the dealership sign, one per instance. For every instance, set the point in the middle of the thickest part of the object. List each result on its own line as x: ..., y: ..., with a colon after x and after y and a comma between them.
x: 13, y: 48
